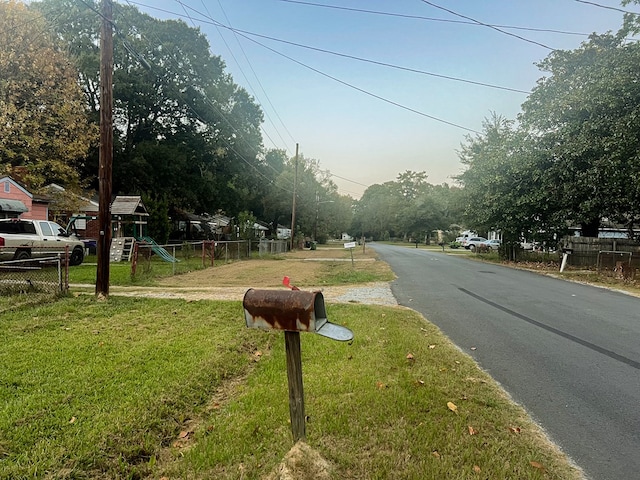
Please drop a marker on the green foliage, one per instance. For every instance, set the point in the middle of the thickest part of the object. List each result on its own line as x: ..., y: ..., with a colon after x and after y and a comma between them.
x: 43, y: 123
x: 158, y: 222
x: 246, y: 224
x: 573, y: 157
x: 182, y: 126
x: 407, y: 208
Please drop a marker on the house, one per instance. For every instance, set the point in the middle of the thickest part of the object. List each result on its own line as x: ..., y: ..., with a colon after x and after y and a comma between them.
x: 17, y: 201
x: 283, y: 232
x: 65, y: 205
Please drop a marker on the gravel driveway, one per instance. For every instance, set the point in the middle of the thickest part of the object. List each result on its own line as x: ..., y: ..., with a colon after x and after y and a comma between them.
x: 377, y: 293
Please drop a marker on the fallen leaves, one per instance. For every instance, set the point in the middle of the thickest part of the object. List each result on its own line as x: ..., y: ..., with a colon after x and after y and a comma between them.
x: 538, y: 465
x: 514, y: 429
x: 472, y: 431
x: 453, y: 407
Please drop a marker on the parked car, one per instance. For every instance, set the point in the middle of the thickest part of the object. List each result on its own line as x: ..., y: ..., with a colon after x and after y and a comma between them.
x: 493, y: 244
x: 21, y: 239
x: 473, y: 242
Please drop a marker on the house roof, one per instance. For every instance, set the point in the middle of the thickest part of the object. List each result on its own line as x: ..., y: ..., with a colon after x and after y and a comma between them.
x: 220, y: 220
x: 128, y: 205
x: 16, y: 184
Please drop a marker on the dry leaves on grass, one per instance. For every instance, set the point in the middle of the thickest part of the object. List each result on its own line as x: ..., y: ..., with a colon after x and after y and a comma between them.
x: 453, y: 407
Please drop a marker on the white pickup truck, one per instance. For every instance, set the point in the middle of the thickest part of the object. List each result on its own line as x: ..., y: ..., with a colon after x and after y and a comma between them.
x: 21, y: 239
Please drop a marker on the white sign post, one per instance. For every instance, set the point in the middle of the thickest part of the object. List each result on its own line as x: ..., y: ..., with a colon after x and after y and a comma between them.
x: 350, y: 246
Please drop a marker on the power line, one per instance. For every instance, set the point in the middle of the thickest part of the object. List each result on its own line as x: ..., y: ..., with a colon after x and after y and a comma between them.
x: 366, y: 92
x: 487, y: 25
x: 607, y: 7
x: 344, y: 55
x: 208, y: 101
x: 384, y: 64
x: 347, y: 84
x: 257, y: 79
x: 432, y: 19
x: 346, y: 179
x: 199, y: 117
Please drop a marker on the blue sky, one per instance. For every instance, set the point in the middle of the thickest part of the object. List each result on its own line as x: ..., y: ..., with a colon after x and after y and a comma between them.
x: 351, y: 133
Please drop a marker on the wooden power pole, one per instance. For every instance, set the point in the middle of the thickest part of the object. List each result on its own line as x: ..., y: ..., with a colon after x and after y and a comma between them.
x: 106, y: 148
x: 293, y: 209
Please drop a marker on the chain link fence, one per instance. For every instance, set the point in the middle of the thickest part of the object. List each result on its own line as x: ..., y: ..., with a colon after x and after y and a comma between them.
x: 47, y: 275
x: 183, y: 257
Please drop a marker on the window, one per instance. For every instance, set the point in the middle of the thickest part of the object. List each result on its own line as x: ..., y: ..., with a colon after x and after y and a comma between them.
x: 7, y: 187
x: 46, y: 229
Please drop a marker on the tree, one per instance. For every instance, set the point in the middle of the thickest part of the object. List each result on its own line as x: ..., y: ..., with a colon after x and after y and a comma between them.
x: 43, y: 122
x: 247, y: 225
x: 181, y: 124
x: 584, y: 117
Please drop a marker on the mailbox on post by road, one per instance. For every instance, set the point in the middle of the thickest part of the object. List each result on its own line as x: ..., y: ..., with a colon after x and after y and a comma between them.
x: 292, y: 311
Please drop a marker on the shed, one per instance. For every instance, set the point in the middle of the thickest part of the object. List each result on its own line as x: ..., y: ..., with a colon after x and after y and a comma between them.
x: 129, y: 216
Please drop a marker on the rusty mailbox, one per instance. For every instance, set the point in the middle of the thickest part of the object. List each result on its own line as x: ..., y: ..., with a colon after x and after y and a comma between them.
x: 291, y: 310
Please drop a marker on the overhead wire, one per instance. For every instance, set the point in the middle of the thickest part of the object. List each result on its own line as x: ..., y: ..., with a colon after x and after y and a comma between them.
x: 138, y: 56
x: 275, y: 111
x: 488, y: 25
x: 384, y: 64
x: 432, y: 19
x: 347, y: 84
x: 243, y: 74
x: 607, y: 7
x: 217, y: 24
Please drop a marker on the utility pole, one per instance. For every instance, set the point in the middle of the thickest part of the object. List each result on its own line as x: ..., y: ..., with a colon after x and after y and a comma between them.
x: 293, y: 209
x: 106, y: 149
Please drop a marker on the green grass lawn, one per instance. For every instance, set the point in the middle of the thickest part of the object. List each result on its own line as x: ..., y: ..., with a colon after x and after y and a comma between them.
x: 145, y: 388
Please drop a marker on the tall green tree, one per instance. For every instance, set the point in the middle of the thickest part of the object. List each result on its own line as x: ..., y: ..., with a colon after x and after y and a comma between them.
x: 181, y: 124
x: 43, y: 121
x: 584, y: 117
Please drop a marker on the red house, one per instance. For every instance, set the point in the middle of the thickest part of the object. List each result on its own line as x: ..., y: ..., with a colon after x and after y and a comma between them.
x: 17, y: 201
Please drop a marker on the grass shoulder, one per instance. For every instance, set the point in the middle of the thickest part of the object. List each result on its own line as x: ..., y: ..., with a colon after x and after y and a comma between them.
x: 136, y: 388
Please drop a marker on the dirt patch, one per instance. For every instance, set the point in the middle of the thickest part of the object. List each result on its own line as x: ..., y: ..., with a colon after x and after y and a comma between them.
x: 301, y: 463
x: 268, y: 272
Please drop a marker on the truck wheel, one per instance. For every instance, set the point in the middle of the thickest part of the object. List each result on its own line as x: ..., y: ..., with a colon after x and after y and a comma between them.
x: 22, y: 255
x: 77, y: 256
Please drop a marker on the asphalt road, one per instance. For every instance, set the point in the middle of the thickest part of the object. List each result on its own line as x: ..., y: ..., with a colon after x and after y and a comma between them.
x: 569, y: 353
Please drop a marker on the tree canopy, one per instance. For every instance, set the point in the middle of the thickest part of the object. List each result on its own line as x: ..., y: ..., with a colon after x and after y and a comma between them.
x: 43, y: 121
x: 182, y: 126
x: 573, y: 157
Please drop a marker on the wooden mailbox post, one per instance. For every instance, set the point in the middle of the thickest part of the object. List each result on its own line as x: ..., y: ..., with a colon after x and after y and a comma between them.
x: 293, y: 311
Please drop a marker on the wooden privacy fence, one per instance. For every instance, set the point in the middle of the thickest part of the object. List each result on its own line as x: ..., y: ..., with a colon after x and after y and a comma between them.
x: 603, y: 253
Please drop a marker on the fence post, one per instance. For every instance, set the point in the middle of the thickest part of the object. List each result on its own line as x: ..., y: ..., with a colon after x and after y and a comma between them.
x: 60, y: 273
x: 173, y: 266
x: 66, y: 269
